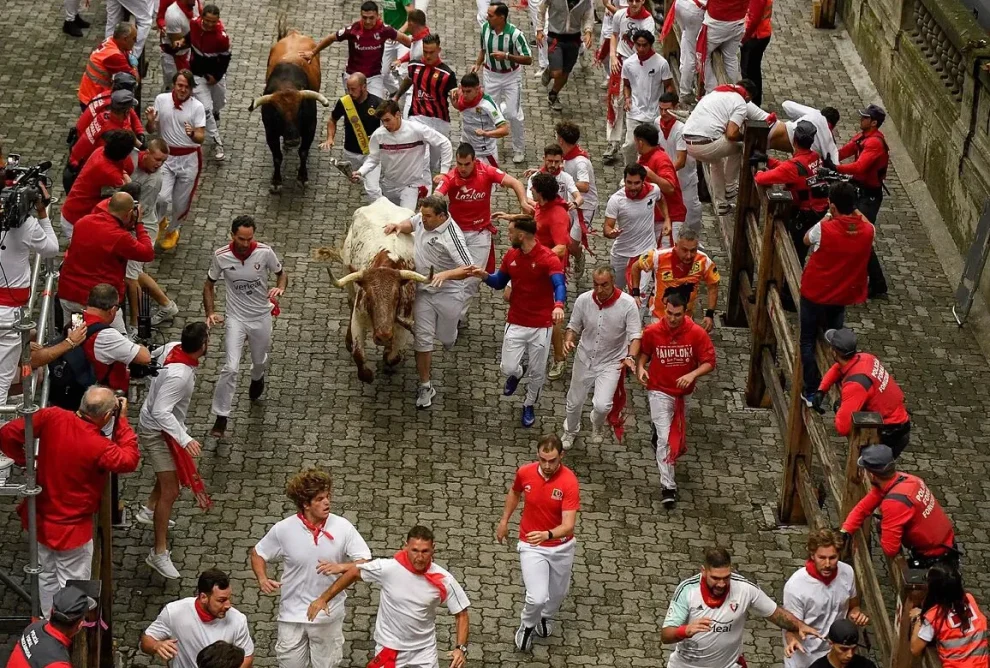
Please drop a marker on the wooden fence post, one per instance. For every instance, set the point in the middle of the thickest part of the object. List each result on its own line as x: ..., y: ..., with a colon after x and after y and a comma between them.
x: 747, y: 200
x: 911, y: 595
x: 823, y: 13
x: 865, y: 431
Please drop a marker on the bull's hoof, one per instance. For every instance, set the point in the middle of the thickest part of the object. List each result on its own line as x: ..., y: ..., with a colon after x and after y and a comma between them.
x: 391, y: 363
x: 366, y: 375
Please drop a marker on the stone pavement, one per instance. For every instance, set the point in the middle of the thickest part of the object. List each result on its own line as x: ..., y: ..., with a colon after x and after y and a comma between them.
x: 448, y: 467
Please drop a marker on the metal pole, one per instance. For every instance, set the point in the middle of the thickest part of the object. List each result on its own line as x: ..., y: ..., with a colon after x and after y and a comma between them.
x: 35, y: 272
x: 31, y: 490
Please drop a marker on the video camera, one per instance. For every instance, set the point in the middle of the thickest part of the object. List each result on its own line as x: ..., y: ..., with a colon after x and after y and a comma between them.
x: 144, y: 333
x: 21, y: 191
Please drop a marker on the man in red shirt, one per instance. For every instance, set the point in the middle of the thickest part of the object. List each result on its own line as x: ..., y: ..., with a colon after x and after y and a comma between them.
x: 535, y: 305
x: 74, y: 458
x: 118, y: 115
x: 107, y: 239
x: 660, y: 170
x: 46, y: 642
x: 834, y: 275
x: 678, y: 352
x: 107, y: 168
x: 546, y: 536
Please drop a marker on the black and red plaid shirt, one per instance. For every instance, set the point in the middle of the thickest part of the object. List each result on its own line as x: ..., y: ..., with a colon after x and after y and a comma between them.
x: 431, y: 86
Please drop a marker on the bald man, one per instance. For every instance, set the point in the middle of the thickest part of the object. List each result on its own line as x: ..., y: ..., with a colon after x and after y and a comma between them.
x: 360, y: 108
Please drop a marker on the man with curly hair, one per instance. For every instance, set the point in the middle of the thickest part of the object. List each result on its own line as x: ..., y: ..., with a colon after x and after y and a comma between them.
x: 316, y: 547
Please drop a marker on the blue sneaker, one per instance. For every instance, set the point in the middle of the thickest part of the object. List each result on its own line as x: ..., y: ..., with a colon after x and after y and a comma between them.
x: 809, y: 398
x: 511, y: 383
x: 528, y: 416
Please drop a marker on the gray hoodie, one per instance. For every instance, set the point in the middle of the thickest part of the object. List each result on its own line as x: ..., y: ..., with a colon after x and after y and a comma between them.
x: 566, y: 17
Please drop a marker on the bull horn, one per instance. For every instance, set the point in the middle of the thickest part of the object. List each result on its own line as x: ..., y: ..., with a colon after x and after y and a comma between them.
x: 409, y: 275
x: 264, y: 99
x: 350, y: 278
x: 314, y: 95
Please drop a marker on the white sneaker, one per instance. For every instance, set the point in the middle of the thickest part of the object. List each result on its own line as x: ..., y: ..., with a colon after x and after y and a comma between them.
x: 524, y: 638
x: 218, y: 153
x: 518, y: 158
x: 567, y: 440
x: 132, y: 334
x: 147, y: 516
x: 163, y: 564
x: 596, y: 434
x: 164, y: 313
x: 556, y: 369
x: 424, y: 395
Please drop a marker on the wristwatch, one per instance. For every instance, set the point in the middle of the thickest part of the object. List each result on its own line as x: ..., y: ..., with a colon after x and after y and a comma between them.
x: 463, y: 648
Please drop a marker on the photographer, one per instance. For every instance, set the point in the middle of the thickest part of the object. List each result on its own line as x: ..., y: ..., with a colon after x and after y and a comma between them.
x: 100, y: 253
x: 34, y: 234
x: 108, y: 168
x: 74, y: 458
x: 109, y: 351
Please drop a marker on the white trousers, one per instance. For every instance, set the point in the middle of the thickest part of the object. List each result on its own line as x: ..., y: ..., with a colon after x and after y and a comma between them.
x: 534, y: 343
x: 614, y: 131
x: 689, y: 16
x: 60, y: 566
x: 725, y: 38
x: 724, y: 158
x: 629, y: 154
x: 482, y: 16
x: 415, y: 658
x: 10, y: 351
x: 372, y: 191
x: 180, y: 174
x: 68, y: 308
x: 619, y: 264
x: 441, y: 126
x: 603, y: 380
x: 393, y: 51
x: 689, y: 192
x: 143, y: 12
x: 70, y: 8
x: 546, y: 573
x: 259, y: 339
x: 168, y: 69
x: 310, y: 645
x: 542, y: 54
x: 405, y: 196
x: 479, y: 246
x: 505, y: 88
x: 662, y: 415
x: 214, y: 98
x: 435, y: 316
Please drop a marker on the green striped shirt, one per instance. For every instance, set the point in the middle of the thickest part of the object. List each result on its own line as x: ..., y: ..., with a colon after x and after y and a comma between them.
x: 511, y: 40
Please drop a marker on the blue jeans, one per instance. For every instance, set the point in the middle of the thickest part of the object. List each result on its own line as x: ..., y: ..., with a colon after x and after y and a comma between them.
x: 814, y: 316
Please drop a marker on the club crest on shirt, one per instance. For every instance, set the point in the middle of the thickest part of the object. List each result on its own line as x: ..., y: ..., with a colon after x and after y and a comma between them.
x: 257, y: 266
x: 527, y: 488
x: 557, y: 494
x: 733, y: 607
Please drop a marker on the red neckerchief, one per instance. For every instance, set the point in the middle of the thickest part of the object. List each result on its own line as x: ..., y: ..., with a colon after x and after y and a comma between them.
x: 179, y: 356
x: 616, y: 293
x: 644, y: 191
x: 732, y: 88
x: 415, y: 37
x: 710, y: 599
x: 576, y: 152
x: 667, y: 124
x: 187, y: 11
x: 435, y: 579
x: 813, y: 572
x: 204, y: 614
x: 461, y: 105
x: 233, y: 249
x: 175, y: 100
x: 639, y: 17
x: 317, y: 531
x: 649, y: 54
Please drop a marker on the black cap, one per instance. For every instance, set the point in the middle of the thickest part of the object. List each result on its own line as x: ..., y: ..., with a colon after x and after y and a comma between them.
x: 70, y: 605
x: 804, y: 133
x: 121, y: 100
x: 843, y: 632
x: 875, y: 112
x: 878, y: 458
x: 843, y: 340
x: 123, y: 81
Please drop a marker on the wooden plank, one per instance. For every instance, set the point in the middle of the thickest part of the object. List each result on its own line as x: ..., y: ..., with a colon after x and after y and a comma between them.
x: 788, y: 258
x: 778, y: 400
x: 747, y: 199
x: 797, y: 449
x: 869, y: 589
x: 809, y: 498
x: 761, y: 332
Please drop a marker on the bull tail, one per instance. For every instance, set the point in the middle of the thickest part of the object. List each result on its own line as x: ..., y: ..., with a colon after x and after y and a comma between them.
x: 326, y: 254
x: 283, y: 27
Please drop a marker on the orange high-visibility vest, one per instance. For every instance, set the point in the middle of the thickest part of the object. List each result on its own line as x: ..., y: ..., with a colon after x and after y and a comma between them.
x: 97, y: 79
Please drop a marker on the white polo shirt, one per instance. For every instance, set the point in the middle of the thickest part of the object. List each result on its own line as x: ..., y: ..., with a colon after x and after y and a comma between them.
x: 646, y: 85
x: 246, y: 281
x: 623, y: 27
x: 180, y: 620
x: 291, y: 542
x: 635, y: 218
x: 605, y: 332
x: 111, y: 346
x: 407, y: 607
x: 714, y: 112
x: 818, y: 605
x: 172, y: 121
x: 440, y: 249
x: 720, y: 647
x: 581, y: 170
x: 485, y: 115
x: 674, y: 143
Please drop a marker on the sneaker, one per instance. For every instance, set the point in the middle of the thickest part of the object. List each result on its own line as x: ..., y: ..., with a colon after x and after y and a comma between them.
x: 163, y: 564
x: 424, y: 395
x: 164, y: 313
x: 511, y: 383
x: 809, y: 398
x: 604, y: 84
x: 608, y: 157
x: 556, y: 369
x: 723, y: 209
x: 132, y: 334
x: 668, y: 497
x: 218, y: 153
x: 147, y: 516
x: 555, y: 103
x: 170, y: 240
x: 545, y: 77
x: 219, y: 427
x: 81, y: 22
x: 518, y: 158
x: 545, y: 628
x: 528, y: 416
x: 579, y: 264
x: 256, y: 388
x: 71, y: 29
x: 162, y: 231
x: 596, y: 433
x: 524, y: 638
x: 567, y: 442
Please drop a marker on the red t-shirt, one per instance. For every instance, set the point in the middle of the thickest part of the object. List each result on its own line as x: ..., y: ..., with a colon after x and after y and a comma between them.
x: 553, y: 225
x: 471, y: 198
x: 546, y: 500
x: 674, y: 353
x: 98, y: 173
x: 531, y: 303
x: 365, y: 47
x: 659, y: 162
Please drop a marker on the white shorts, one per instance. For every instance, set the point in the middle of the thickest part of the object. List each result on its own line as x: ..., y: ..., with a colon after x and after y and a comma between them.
x: 301, y: 645
x: 133, y: 270
x: 436, y: 315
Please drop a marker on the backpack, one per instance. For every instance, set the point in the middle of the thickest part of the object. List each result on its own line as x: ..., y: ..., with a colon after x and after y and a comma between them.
x: 72, y: 374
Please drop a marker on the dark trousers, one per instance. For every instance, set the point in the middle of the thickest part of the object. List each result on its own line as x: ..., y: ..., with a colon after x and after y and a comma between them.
x: 896, y: 436
x: 869, y: 205
x: 813, y: 317
x: 751, y: 65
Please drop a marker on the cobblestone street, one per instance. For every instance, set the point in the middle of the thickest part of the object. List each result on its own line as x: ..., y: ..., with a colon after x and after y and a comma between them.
x: 449, y: 467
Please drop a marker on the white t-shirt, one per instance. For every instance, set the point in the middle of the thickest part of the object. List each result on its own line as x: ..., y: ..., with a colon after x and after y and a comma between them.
x: 111, y: 346
x: 172, y: 121
x: 180, y: 620
x: 177, y: 23
x: 623, y: 27
x: 582, y: 171
x: 720, y: 647
x: 646, y: 85
x: 635, y: 218
x: 818, y: 605
x: 566, y: 187
x: 605, y: 332
x: 291, y: 542
x: 486, y: 115
x: 407, y: 607
x: 714, y: 112
x: 247, y: 281
x: 440, y: 249
x: 673, y: 144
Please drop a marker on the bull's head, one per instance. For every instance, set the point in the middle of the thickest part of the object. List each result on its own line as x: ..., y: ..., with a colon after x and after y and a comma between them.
x: 287, y: 103
x: 385, y: 291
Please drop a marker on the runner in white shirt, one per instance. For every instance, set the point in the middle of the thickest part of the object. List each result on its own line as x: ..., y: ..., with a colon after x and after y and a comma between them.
x: 607, y: 322
x: 645, y: 78
x: 577, y: 164
x: 244, y: 265
x: 412, y: 589
x: 440, y: 251
x: 176, y: 27
x: 482, y: 123
x: 402, y: 148
x: 782, y: 135
x: 626, y: 22
x: 188, y: 625
x: 553, y: 163
x: 629, y: 221
x: 672, y: 139
x: 819, y: 593
x: 180, y: 119
x: 707, y: 616
x: 315, y: 547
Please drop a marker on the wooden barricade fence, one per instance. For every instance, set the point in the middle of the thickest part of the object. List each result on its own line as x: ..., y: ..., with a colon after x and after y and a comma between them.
x: 764, y: 264
x: 93, y: 648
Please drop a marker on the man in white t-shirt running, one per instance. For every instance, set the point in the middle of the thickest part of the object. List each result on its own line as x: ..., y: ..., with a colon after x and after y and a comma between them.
x: 629, y: 221
x: 244, y: 265
x: 412, y: 589
x: 186, y: 626
x: 707, y: 616
x: 315, y: 547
